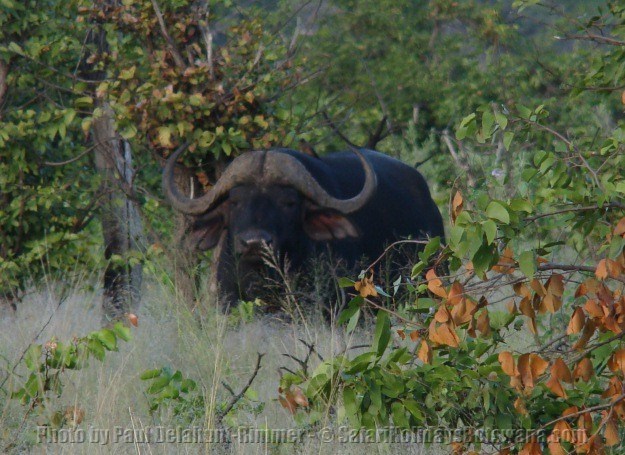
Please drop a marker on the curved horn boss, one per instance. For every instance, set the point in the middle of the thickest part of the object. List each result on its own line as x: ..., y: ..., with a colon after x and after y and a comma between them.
x: 267, y: 167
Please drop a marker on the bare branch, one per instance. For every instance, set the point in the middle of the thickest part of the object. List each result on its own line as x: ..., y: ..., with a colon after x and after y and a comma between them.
x: 336, y: 130
x: 597, y: 39
x: 610, y: 205
x: 172, y: 45
x: 235, y: 399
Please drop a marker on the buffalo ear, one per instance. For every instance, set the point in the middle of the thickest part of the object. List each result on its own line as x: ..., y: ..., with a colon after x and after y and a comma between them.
x: 206, y: 232
x: 323, y: 225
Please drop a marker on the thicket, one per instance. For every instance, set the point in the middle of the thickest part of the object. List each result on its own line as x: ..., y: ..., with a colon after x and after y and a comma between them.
x: 514, y: 112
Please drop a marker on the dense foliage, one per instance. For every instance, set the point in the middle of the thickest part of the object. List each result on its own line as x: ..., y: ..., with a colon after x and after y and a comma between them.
x: 515, y: 111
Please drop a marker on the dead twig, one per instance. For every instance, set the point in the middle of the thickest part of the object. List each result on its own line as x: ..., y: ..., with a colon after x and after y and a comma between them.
x: 236, y: 398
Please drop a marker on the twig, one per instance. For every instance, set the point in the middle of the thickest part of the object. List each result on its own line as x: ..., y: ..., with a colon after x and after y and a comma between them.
x: 235, y: 399
x: 71, y: 160
x: 610, y: 205
x: 336, y: 130
x: 597, y: 39
x: 172, y: 45
x: 378, y: 135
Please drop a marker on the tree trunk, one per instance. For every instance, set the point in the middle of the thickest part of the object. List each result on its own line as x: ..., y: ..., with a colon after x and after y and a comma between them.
x: 122, y: 228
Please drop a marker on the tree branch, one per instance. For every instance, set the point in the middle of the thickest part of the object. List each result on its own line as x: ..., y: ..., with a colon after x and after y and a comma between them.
x: 172, y: 45
x: 235, y: 399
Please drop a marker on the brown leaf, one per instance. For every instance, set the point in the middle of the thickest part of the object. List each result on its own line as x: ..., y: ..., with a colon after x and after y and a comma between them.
x: 563, y: 431
x: 442, y: 315
x: 555, y: 448
x: 414, y: 335
x: 561, y: 371
x: 401, y: 334
x: 483, y: 323
x: 507, y: 363
x: 512, y: 309
x: 522, y: 290
x: 602, y: 270
x: 555, y: 284
x: 527, y: 309
x: 425, y: 353
x: 584, y: 370
x: 594, y: 309
x: 587, y: 333
x: 555, y: 386
x: 617, y: 361
x: 506, y: 262
x: 448, y: 335
x: 435, y: 285
x: 576, y: 324
x: 290, y: 406
x: 456, y: 293
x: 538, y: 287
x: 614, y: 388
x: 298, y: 396
x: 463, y: 312
x: 531, y: 366
x: 457, y: 205
x: 611, y: 433
x: 133, y: 319
x: 614, y: 268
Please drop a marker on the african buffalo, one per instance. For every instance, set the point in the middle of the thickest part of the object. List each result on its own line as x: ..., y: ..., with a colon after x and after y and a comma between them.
x: 353, y: 202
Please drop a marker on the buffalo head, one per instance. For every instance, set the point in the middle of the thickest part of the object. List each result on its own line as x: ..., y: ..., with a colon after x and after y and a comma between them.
x: 268, y: 198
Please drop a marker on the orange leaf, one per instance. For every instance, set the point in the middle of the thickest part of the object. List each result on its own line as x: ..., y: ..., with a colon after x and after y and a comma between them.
x: 555, y: 386
x: 425, y: 353
x: 538, y: 287
x: 593, y: 309
x: 584, y: 370
x: 617, y: 361
x: 414, y: 335
x: 365, y: 287
x: 587, y: 333
x: 298, y: 396
x: 614, y: 268
x: 555, y: 448
x: 602, y: 270
x: 561, y: 371
x: 401, y: 334
x: 576, y: 324
x: 435, y: 285
x: 530, y: 367
x: 456, y: 293
x: 448, y: 336
x: 611, y: 433
x: 456, y: 206
x: 287, y: 404
x: 563, y: 431
x: 555, y: 284
x: 507, y: 363
x: 133, y: 319
x: 442, y: 315
x: 483, y: 323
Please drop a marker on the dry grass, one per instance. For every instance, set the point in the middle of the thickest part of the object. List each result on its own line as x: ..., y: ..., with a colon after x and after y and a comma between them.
x: 113, y: 396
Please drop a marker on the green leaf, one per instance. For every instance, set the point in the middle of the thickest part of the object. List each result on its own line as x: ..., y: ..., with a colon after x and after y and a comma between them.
x: 490, y: 230
x: 382, y: 333
x: 159, y: 384
x: 107, y: 338
x: 150, y: 374
x: 498, y: 212
x: 507, y: 139
x: 122, y: 331
x: 527, y: 263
